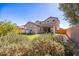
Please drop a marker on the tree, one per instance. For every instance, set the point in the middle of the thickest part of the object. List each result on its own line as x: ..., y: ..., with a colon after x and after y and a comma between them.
x: 7, y: 27
x: 71, y: 12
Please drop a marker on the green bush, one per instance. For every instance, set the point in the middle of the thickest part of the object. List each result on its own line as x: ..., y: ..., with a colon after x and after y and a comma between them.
x: 7, y: 27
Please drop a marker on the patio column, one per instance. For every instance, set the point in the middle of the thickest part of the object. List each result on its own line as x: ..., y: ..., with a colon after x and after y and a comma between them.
x: 53, y: 29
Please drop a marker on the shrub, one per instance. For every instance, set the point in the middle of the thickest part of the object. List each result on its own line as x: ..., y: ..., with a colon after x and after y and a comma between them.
x: 7, y: 27
x: 54, y: 45
x: 68, y: 44
x: 13, y: 44
x: 46, y: 45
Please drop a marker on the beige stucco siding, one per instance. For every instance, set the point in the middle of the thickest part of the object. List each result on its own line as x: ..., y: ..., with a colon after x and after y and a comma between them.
x: 73, y: 33
x: 39, y: 26
x: 33, y: 27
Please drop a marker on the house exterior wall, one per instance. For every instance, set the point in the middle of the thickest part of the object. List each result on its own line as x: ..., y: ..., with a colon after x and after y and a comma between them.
x: 34, y: 28
x: 52, y: 21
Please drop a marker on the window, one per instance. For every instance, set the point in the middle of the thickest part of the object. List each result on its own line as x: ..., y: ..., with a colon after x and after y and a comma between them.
x: 47, y: 21
x: 53, y: 20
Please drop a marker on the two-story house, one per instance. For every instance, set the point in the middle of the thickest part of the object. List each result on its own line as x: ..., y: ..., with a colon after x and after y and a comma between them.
x: 48, y: 25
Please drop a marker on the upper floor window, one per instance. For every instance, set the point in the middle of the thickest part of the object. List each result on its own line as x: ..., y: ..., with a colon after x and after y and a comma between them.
x: 47, y: 21
x: 53, y: 20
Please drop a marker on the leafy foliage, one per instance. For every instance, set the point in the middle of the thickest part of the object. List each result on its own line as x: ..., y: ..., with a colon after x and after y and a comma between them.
x: 7, y: 27
x: 71, y: 12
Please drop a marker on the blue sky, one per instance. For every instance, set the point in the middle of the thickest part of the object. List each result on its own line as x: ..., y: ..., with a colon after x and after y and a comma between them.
x: 21, y: 13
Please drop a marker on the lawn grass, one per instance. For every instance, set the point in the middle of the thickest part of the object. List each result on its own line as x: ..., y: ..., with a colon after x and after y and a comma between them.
x: 31, y: 36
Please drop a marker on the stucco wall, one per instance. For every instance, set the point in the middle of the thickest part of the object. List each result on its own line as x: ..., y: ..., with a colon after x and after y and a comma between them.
x: 33, y: 27
x: 73, y: 33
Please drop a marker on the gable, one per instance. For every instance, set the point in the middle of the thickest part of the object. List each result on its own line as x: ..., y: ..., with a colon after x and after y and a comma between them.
x: 31, y: 25
x: 52, y: 20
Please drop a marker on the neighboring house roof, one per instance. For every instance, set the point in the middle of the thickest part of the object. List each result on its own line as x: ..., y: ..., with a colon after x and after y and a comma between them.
x: 21, y: 27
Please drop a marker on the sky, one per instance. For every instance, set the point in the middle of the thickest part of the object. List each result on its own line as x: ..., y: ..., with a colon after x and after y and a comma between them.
x: 21, y: 13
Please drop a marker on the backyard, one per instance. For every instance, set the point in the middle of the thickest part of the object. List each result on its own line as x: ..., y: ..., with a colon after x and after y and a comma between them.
x: 23, y: 39
x: 34, y: 45
x: 12, y: 43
